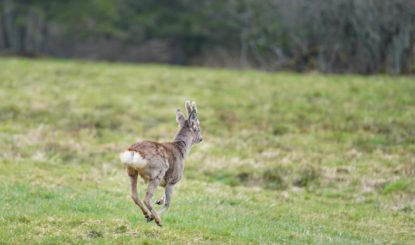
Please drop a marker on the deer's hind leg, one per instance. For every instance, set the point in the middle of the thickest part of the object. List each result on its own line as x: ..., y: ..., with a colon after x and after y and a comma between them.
x: 133, y: 178
x: 149, y: 194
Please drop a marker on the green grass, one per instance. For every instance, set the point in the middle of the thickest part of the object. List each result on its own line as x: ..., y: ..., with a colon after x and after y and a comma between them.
x: 287, y: 158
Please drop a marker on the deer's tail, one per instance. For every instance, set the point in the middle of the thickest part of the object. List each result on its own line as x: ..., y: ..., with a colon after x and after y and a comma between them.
x: 133, y: 159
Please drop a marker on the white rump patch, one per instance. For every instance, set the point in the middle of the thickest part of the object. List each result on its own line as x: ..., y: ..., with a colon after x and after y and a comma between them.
x: 133, y: 159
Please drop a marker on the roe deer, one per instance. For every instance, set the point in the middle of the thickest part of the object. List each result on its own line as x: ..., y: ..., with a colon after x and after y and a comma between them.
x: 161, y: 163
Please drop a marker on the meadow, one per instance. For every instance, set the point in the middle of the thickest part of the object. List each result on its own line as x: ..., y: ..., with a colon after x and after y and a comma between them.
x: 286, y: 158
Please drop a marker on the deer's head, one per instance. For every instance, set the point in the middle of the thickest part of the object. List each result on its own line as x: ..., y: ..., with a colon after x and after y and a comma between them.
x: 191, y: 124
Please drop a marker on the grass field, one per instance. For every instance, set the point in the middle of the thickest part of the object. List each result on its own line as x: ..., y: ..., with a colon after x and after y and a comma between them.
x: 286, y: 158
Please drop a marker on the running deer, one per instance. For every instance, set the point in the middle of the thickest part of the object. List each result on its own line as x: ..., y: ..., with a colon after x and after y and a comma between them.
x: 161, y: 163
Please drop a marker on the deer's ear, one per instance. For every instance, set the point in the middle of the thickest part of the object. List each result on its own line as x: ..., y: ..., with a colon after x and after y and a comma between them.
x: 188, y: 107
x: 192, y: 118
x: 194, y: 106
x: 180, y: 118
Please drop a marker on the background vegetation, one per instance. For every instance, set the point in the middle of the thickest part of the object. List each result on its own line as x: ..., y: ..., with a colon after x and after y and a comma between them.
x: 287, y: 158
x: 332, y: 36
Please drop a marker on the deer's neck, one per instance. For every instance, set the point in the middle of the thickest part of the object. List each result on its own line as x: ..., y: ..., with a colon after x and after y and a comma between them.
x: 183, y: 142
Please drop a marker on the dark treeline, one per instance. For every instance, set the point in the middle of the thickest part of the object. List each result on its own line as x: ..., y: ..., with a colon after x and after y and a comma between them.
x: 332, y: 36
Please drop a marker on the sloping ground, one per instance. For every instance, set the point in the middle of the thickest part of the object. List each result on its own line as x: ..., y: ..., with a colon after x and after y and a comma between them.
x: 287, y: 158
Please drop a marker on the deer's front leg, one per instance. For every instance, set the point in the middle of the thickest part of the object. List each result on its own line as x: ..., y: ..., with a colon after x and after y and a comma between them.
x: 160, y: 201
x: 168, y: 193
x: 133, y: 177
x: 147, y: 200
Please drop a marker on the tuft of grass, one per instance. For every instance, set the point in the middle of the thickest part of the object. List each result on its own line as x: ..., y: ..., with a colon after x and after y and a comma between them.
x: 399, y: 185
x: 226, y: 178
x: 308, y: 176
x: 274, y: 179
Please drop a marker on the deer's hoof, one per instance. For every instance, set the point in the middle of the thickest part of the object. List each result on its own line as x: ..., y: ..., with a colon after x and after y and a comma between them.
x: 160, y: 202
x: 149, y: 219
x: 159, y: 224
